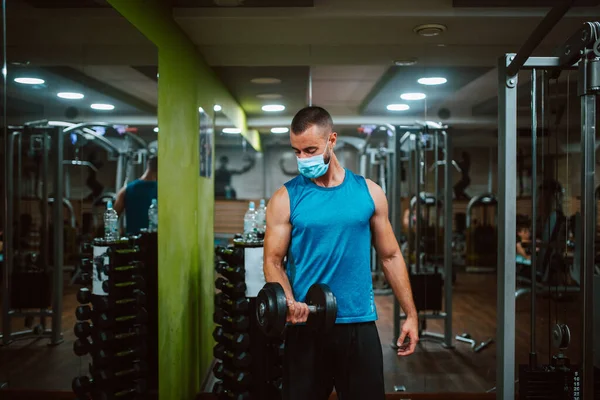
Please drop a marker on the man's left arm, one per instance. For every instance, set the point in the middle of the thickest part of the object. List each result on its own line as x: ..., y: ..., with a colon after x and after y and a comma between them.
x: 394, y: 267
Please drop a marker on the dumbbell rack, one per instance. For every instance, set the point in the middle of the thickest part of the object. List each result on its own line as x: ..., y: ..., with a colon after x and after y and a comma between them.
x: 117, y: 320
x: 250, y: 363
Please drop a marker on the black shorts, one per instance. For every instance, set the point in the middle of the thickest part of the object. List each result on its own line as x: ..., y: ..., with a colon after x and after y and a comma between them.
x: 349, y: 358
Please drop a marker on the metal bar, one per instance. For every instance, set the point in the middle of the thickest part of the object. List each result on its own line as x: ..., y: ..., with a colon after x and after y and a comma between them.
x: 310, y: 86
x: 490, y: 168
x: 548, y: 63
x: 536, y: 37
x: 119, y: 178
x: 45, y: 231
x: 397, y: 215
x: 58, y: 225
x: 507, y: 206
x: 418, y: 161
x: 448, y: 243
x: 437, y: 196
x: 588, y: 226
x: 8, y: 235
x: 532, y: 353
x: 19, y: 193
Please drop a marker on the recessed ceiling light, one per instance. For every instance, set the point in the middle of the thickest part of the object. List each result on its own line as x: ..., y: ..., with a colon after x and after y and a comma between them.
x: 232, y: 130
x: 70, y: 95
x: 273, y: 108
x: 412, y: 96
x: 397, y: 107
x: 280, y: 130
x: 156, y: 129
x: 200, y: 109
x: 432, y: 81
x: 265, y: 81
x: 30, y: 81
x: 429, y: 30
x: 217, y: 108
x: 103, y: 107
x: 405, y: 63
x: 269, y: 96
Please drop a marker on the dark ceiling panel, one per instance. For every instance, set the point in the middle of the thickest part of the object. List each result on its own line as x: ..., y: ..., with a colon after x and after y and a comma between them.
x: 520, y: 3
x: 293, y: 87
x: 398, y: 80
x: 173, y: 3
x: 150, y: 71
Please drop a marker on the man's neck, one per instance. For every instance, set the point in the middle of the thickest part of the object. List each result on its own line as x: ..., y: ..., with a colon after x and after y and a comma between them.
x: 148, y: 176
x: 334, y: 176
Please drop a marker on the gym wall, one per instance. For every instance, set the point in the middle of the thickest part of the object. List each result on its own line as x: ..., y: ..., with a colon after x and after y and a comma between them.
x: 185, y: 240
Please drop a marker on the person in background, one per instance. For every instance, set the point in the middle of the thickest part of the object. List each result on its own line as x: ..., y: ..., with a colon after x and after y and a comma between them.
x: 135, y: 198
x: 224, y: 175
x: 523, y: 239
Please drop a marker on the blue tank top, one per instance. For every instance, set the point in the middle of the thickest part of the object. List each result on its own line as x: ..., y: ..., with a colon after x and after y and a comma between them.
x: 331, y: 244
x: 138, y: 197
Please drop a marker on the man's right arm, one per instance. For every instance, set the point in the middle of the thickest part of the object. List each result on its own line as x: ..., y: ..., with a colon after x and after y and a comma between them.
x: 119, y: 205
x: 276, y: 243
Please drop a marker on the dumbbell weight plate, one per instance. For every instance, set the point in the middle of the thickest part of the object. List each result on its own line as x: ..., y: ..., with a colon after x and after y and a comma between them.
x: 321, y: 296
x: 271, y: 309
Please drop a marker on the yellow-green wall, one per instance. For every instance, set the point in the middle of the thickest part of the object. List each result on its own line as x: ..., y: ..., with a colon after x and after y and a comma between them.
x: 185, y: 239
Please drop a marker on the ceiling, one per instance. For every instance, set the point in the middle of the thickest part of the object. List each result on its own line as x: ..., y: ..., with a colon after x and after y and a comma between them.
x: 347, y: 49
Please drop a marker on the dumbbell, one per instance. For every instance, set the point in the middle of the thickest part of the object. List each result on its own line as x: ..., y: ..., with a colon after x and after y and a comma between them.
x: 277, y: 384
x: 140, y: 387
x: 84, y: 346
x: 83, y: 313
x: 82, y: 385
x: 86, y: 265
x: 239, y: 323
x: 240, y: 359
x: 239, y: 378
x: 135, y: 282
x: 104, y: 358
x: 271, y: 308
x: 231, y: 289
x: 131, y: 268
x: 106, y: 320
x: 84, y: 296
x: 103, y: 376
x: 104, y: 303
x: 237, y: 306
x: 222, y: 393
x: 83, y: 329
x: 232, y: 256
x: 110, y: 338
x: 114, y: 251
x: 234, y: 274
x: 237, y: 341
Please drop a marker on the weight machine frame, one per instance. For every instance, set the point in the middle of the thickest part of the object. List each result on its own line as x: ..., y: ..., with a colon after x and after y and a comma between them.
x: 413, y: 135
x: 578, y: 52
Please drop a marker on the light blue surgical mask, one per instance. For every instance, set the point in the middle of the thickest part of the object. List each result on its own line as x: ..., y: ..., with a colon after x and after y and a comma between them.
x: 313, y: 167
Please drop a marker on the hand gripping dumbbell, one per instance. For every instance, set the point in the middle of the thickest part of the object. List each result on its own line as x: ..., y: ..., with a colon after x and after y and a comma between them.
x: 231, y: 289
x: 238, y: 324
x: 240, y: 359
x: 222, y: 393
x: 236, y: 341
x: 232, y: 306
x: 271, y: 308
x: 239, y: 378
x: 234, y: 274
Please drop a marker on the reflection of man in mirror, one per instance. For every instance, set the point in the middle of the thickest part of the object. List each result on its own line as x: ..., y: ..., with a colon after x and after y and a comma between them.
x: 465, y: 180
x: 223, y: 174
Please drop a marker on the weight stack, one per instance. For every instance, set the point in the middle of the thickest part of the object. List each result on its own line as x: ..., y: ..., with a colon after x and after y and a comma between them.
x: 250, y: 365
x: 114, y: 327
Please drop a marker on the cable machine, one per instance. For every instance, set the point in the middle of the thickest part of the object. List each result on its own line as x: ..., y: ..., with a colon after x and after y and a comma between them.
x: 581, y: 52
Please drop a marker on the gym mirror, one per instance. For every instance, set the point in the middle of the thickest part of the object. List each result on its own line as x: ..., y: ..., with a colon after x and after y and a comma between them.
x: 81, y: 165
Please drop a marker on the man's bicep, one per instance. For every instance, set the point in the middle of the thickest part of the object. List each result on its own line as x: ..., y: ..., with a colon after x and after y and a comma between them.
x: 384, y: 238
x: 278, y: 233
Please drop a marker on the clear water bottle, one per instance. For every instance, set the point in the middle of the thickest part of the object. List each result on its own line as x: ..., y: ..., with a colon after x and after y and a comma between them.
x: 250, y: 223
x: 261, y: 218
x: 111, y: 223
x: 153, y: 216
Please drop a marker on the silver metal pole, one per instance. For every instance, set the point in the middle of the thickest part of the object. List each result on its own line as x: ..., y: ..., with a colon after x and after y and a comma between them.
x: 419, y: 160
x: 532, y: 353
x: 58, y: 225
x: 588, y: 225
x: 507, y: 206
x: 437, y: 195
x: 119, y: 179
x: 45, y: 231
x: 490, y: 168
x: 448, y: 289
x: 310, y: 86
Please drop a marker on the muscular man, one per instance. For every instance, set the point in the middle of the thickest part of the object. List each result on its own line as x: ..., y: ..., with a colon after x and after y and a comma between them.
x: 325, y: 220
x: 136, y: 197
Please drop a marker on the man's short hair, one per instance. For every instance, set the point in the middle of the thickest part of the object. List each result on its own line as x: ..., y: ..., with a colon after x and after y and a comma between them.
x: 310, y: 116
x: 153, y: 163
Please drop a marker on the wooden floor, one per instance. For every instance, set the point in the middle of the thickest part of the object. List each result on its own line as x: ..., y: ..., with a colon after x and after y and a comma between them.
x: 33, y: 364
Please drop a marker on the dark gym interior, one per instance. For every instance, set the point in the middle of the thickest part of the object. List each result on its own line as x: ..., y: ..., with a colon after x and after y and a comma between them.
x: 466, y: 129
